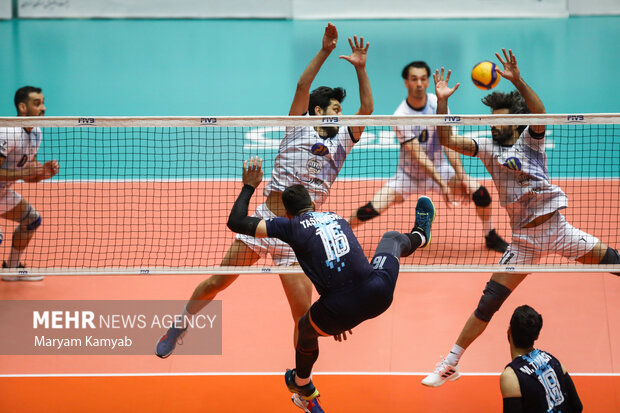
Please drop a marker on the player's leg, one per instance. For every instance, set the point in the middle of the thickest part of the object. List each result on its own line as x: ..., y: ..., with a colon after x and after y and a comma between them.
x: 28, y: 220
x: 239, y: 254
x: 482, y: 200
x: 384, y: 198
x: 523, y: 250
x: 298, y: 290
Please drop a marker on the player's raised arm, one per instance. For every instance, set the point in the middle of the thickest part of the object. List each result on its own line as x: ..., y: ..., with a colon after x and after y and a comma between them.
x: 511, y: 72
x: 302, y: 93
x: 357, y: 58
x: 238, y: 220
x: 463, y: 145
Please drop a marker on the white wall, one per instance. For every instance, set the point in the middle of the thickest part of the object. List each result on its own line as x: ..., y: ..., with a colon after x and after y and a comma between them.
x: 6, y: 10
x: 593, y: 7
x: 154, y: 8
x: 308, y: 9
x: 406, y: 9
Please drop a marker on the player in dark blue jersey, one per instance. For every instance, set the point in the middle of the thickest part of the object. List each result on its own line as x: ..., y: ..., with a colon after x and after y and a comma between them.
x: 351, y: 289
x: 534, y: 381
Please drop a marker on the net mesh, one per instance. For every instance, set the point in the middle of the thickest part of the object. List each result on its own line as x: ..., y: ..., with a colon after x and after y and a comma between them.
x: 153, y: 194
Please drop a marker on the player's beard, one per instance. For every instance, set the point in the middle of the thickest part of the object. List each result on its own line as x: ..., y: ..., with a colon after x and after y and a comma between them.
x: 502, y: 136
x: 329, y: 131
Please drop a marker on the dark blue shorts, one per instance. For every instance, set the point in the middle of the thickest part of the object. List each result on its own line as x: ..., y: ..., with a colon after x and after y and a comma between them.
x: 342, y: 309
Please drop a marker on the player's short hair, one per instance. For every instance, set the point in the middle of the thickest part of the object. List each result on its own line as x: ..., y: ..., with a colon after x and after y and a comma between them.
x: 513, y: 101
x: 21, y: 96
x: 296, y: 199
x: 418, y: 64
x: 323, y: 95
x: 525, y: 326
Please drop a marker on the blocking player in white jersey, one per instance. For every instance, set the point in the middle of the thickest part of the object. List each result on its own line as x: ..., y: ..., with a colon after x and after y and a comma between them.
x: 516, y: 159
x: 18, y: 160
x: 422, y: 165
x: 311, y: 156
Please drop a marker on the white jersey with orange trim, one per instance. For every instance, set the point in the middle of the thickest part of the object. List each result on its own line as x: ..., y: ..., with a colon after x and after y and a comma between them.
x: 426, y: 136
x: 306, y: 158
x: 19, y: 148
x: 521, y: 177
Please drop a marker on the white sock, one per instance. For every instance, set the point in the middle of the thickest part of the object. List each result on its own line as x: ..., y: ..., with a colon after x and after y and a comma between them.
x: 422, y: 236
x: 487, y: 226
x: 14, y: 257
x: 455, y: 355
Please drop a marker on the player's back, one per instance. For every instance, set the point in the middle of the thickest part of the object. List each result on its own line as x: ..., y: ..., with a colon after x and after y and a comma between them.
x: 327, y: 250
x: 542, y: 382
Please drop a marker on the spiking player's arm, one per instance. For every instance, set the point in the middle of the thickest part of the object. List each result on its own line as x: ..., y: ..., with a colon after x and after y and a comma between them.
x: 302, y: 93
x: 238, y: 220
x: 511, y: 72
x: 460, y: 144
x: 358, y: 59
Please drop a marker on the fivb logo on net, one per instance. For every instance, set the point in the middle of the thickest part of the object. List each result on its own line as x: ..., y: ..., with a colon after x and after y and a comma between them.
x: 208, y: 121
x: 86, y: 121
x: 330, y: 119
x: 576, y: 118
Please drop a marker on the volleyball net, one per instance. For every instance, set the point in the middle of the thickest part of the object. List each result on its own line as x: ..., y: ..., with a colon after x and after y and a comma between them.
x: 152, y: 195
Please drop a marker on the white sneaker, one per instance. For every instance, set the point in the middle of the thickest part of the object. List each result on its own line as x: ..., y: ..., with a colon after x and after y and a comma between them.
x: 443, y: 372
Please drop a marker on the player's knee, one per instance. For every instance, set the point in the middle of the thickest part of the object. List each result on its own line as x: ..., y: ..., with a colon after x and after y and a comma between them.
x: 611, y: 257
x: 481, y: 197
x: 393, y: 243
x: 308, y: 338
x: 366, y: 212
x: 31, y: 219
x: 492, y: 299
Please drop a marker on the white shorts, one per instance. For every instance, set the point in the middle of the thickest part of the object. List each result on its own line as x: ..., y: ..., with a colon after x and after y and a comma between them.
x: 281, y: 253
x: 9, y: 200
x: 404, y: 184
x: 556, y: 235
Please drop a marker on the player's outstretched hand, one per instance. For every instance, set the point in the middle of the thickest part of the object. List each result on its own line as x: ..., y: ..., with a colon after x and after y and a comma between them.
x: 358, y: 53
x: 511, y: 70
x: 442, y: 90
x: 50, y: 168
x: 330, y: 38
x: 253, y: 171
x: 342, y: 336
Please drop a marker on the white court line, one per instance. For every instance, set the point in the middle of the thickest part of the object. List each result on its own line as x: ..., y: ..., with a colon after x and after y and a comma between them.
x: 268, y: 373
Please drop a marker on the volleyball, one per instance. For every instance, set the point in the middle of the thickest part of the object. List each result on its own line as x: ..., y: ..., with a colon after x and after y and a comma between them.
x: 485, y: 75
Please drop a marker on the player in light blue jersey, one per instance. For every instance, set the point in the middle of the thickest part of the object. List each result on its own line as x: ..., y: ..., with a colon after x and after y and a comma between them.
x: 422, y: 164
x: 516, y: 159
x: 18, y: 160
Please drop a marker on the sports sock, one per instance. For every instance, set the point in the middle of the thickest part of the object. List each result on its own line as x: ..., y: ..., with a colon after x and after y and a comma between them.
x: 14, y: 257
x: 455, y: 355
x: 422, y: 238
x: 487, y: 226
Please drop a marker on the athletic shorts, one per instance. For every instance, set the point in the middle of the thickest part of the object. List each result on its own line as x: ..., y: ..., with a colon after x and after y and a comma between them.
x: 404, y: 184
x: 343, y: 308
x: 555, y: 235
x: 281, y: 253
x: 9, y: 200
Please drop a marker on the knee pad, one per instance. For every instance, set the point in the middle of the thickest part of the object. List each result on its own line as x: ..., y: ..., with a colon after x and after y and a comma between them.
x: 31, y: 219
x: 481, y: 197
x: 367, y: 212
x: 492, y: 299
x: 611, y: 257
x: 393, y: 243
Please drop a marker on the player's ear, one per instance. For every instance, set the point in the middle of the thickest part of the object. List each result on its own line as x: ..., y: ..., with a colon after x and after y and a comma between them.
x: 21, y: 108
x: 313, y: 206
x: 318, y: 111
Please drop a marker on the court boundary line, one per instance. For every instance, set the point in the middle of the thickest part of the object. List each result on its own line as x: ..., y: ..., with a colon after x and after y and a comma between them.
x: 265, y: 373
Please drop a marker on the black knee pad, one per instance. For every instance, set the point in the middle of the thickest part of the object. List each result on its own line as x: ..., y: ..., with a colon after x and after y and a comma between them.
x: 367, y: 212
x: 492, y: 299
x: 481, y: 197
x: 611, y: 257
x: 393, y: 243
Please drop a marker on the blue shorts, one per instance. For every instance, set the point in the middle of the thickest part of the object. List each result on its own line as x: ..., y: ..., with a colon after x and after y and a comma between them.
x: 343, y: 308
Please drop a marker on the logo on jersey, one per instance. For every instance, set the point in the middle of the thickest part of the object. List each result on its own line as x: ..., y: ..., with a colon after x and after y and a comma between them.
x: 4, y: 146
x: 22, y: 161
x: 314, y: 166
x: 423, y: 136
x: 319, y: 149
x: 513, y: 163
